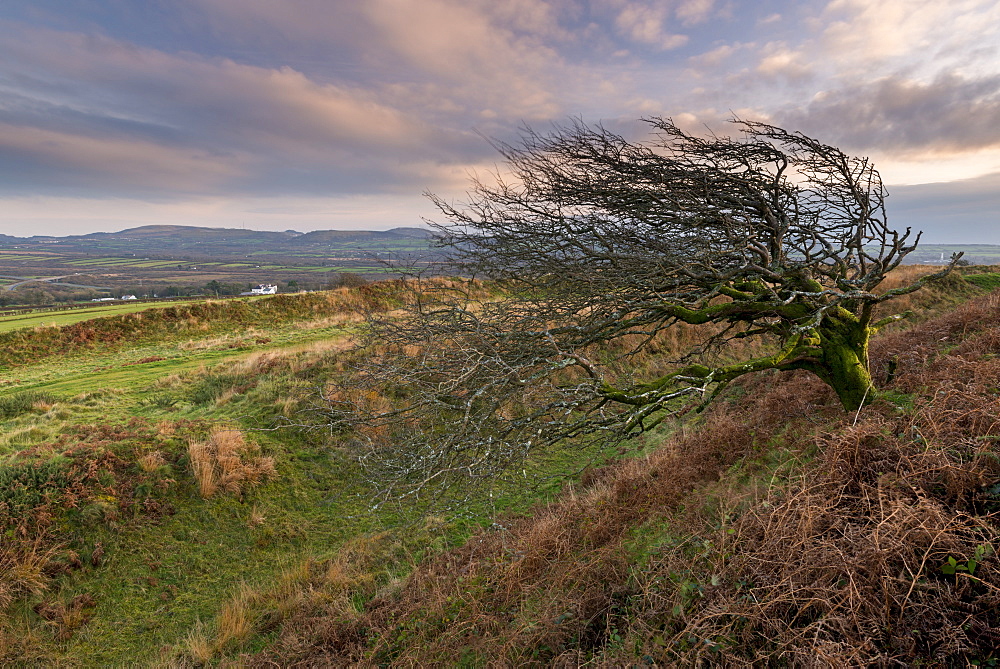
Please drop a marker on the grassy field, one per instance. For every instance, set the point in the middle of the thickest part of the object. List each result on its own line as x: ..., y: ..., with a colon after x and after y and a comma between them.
x: 116, y: 550
x: 174, y: 491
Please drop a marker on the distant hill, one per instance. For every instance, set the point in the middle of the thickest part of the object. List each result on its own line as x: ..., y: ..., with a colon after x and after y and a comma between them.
x: 419, y: 233
x: 200, y: 242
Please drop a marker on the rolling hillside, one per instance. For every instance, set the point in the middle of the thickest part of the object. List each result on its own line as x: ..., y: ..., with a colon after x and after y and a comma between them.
x: 775, y: 531
x: 173, y: 492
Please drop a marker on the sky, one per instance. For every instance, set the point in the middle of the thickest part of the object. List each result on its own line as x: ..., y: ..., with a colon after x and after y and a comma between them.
x: 340, y: 114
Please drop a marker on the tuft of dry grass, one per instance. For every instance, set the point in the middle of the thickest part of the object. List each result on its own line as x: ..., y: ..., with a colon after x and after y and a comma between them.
x: 22, y: 571
x: 197, y: 647
x: 169, y: 381
x: 235, y: 622
x: 66, y: 617
x: 152, y: 461
x: 248, y: 610
x: 256, y: 518
x: 227, y: 462
x: 166, y: 428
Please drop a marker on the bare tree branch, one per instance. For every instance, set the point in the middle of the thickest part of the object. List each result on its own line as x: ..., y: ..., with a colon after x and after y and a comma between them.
x: 595, y: 248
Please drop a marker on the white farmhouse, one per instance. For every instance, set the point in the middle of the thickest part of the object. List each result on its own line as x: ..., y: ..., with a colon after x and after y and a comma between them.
x: 264, y: 289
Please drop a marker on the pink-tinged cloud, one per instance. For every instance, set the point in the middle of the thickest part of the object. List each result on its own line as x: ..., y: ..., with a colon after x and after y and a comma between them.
x: 361, y: 100
x: 950, y: 115
x: 128, y: 162
x: 860, y: 34
x: 779, y: 61
x: 227, y: 120
x: 646, y: 24
x: 483, y: 55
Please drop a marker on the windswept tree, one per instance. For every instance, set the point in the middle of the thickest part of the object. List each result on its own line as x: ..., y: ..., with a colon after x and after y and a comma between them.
x: 596, y: 246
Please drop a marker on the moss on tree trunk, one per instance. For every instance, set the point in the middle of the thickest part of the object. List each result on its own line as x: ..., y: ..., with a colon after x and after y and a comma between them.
x: 843, y: 360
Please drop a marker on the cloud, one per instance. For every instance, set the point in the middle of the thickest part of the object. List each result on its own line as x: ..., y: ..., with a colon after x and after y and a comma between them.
x: 777, y: 60
x: 959, y: 212
x: 383, y: 98
x: 714, y: 58
x: 137, y: 118
x: 914, y: 23
x: 477, y: 54
x: 951, y: 114
x: 31, y: 155
x: 465, y: 47
x: 692, y: 12
x: 647, y: 23
x: 860, y: 36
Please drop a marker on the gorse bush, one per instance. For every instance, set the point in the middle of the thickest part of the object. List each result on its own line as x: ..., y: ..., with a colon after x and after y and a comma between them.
x: 16, y: 404
x: 24, y: 486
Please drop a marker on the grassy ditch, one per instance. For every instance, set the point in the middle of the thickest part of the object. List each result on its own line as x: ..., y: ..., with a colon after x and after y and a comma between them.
x: 145, y: 480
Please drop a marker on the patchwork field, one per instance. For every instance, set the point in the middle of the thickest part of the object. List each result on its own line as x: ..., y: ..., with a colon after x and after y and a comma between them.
x: 46, y: 270
x: 146, y: 275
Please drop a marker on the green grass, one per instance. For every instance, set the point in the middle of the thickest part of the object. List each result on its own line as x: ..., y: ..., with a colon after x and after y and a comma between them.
x: 989, y: 281
x: 206, y: 546
x: 163, y: 575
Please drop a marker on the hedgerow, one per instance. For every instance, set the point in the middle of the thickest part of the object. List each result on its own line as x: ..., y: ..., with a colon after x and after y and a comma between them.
x: 27, y: 346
